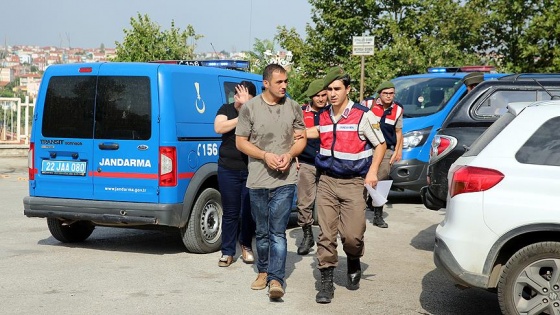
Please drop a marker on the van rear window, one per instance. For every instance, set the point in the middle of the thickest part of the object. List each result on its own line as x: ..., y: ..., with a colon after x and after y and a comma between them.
x: 122, y: 109
x: 69, y: 104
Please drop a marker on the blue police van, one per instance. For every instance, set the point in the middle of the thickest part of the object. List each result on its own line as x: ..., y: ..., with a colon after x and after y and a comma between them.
x: 427, y: 99
x: 131, y: 145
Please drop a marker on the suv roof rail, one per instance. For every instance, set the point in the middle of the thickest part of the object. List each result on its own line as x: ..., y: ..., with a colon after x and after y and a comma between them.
x: 232, y: 64
x: 528, y: 76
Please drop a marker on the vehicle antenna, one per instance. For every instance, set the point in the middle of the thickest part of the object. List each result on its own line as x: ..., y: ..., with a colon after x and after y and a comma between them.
x: 552, y: 97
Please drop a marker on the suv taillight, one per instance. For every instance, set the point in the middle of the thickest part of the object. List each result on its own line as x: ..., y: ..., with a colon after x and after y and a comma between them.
x: 441, y: 145
x: 167, y: 166
x: 31, y: 161
x: 467, y: 179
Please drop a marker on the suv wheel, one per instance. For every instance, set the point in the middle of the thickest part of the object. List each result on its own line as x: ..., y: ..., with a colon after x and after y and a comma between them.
x: 530, y: 280
x: 202, y: 234
x: 76, y: 231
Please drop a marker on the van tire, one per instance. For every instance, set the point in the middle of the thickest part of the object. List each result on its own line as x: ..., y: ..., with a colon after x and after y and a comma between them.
x: 78, y: 231
x: 203, y: 233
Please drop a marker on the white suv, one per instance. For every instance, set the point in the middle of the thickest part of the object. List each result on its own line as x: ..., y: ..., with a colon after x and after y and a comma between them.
x: 502, y: 224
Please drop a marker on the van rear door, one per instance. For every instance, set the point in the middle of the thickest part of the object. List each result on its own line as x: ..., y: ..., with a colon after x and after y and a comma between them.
x: 126, y: 141
x: 63, y: 132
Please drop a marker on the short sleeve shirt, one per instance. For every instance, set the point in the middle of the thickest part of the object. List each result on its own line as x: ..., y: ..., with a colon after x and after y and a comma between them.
x: 229, y: 156
x: 270, y: 128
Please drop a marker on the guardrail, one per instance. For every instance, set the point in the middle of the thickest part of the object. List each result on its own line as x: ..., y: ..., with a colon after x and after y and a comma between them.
x: 15, y: 122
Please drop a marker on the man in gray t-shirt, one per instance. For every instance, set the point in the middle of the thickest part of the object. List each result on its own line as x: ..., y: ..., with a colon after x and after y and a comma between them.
x: 266, y: 129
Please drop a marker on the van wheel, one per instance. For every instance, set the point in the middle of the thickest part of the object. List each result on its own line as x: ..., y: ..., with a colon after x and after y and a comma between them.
x: 203, y: 232
x: 530, y: 280
x: 76, y: 231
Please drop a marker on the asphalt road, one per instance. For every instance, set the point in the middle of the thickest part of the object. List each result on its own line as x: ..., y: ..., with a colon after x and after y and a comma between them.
x: 126, y: 271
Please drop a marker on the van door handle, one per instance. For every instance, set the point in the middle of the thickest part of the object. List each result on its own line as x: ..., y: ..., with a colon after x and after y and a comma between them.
x: 109, y: 146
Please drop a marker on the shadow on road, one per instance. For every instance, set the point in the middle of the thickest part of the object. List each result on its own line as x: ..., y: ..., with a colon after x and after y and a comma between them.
x: 155, y: 242
x: 440, y: 297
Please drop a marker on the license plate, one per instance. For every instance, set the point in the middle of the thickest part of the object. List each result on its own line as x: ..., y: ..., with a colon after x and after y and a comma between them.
x: 70, y: 168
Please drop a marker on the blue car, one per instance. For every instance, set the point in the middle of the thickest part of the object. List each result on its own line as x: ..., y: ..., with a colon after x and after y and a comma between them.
x: 427, y: 99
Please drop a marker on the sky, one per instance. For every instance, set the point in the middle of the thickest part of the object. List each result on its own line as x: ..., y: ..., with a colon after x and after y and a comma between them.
x: 230, y: 25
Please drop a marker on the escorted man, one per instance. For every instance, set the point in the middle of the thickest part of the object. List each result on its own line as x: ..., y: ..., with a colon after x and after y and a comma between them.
x: 390, y: 117
x: 347, y: 132
x: 307, y: 176
x: 266, y: 129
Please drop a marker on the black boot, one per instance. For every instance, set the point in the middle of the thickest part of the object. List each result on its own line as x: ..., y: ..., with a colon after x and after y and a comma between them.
x: 326, y: 288
x: 354, y: 273
x: 307, y: 242
x: 378, y: 218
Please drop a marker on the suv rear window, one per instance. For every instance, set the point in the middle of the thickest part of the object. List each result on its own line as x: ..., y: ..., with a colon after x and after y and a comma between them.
x: 543, y: 147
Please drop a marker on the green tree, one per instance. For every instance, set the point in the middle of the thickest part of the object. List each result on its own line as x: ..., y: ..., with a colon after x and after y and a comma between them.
x: 257, y: 57
x: 523, y: 34
x: 410, y: 36
x: 145, y: 41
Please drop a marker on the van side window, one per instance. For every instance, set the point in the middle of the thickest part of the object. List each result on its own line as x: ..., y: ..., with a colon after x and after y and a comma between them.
x: 123, y: 108
x: 68, y: 110
x: 543, y: 148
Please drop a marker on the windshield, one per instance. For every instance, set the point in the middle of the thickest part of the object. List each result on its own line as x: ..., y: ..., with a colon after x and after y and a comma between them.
x: 425, y: 96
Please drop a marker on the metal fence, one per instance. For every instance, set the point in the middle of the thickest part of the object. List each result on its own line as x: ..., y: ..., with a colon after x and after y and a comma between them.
x: 15, y: 120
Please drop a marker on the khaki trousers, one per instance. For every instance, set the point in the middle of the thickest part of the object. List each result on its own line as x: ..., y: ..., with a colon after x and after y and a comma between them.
x: 306, y: 193
x: 341, y: 207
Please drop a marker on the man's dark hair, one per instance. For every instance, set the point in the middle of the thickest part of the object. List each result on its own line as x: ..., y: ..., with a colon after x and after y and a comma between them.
x: 271, y: 68
x: 250, y: 87
x: 346, y: 80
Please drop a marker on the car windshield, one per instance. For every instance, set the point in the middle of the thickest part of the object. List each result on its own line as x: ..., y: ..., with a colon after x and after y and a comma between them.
x: 425, y: 96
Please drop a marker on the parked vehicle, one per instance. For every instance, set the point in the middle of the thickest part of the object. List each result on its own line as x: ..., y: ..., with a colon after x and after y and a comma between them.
x: 468, y: 120
x: 130, y: 145
x: 501, y: 230
x: 427, y: 99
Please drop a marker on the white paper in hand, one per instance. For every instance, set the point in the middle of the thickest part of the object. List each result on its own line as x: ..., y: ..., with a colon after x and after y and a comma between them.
x: 380, y: 192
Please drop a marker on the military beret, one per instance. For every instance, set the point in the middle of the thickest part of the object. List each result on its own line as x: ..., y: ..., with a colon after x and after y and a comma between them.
x: 473, y: 78
x: 334, y: 73
x: 385, y: 85
x: 315, y: 87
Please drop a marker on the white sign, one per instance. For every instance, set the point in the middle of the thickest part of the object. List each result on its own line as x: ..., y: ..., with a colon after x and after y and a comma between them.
x: 363, y: 45
x: 362, y: 50
x: 363, y: 40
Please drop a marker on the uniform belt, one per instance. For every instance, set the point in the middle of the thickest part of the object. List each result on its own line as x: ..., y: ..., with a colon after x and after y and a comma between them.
x: 333, y: 175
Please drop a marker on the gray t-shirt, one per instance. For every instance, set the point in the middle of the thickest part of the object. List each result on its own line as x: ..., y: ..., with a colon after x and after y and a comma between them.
x: 270, y: 128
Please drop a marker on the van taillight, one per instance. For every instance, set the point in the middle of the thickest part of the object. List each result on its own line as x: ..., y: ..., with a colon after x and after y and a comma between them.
x: 468, y: 179
x: 31, y: 161
x: 167, y: 166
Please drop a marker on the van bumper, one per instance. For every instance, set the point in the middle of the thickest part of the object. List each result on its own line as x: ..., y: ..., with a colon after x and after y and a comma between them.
x: 104, y: 212
x: 444, y: 260
x: 409, y: 174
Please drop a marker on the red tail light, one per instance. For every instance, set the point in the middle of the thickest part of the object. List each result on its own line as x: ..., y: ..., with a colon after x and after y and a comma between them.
x: 441, y: 145
x: 469, y: 179
x: 167, y: 166
x: 31, y: 161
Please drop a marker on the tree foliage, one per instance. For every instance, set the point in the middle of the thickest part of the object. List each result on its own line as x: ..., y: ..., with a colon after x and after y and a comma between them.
x: 412, y: 35
x: 145, y: 41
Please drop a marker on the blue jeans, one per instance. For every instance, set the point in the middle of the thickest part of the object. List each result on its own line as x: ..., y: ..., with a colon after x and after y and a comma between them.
x: 236, y: 206
x: 271, y: 209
